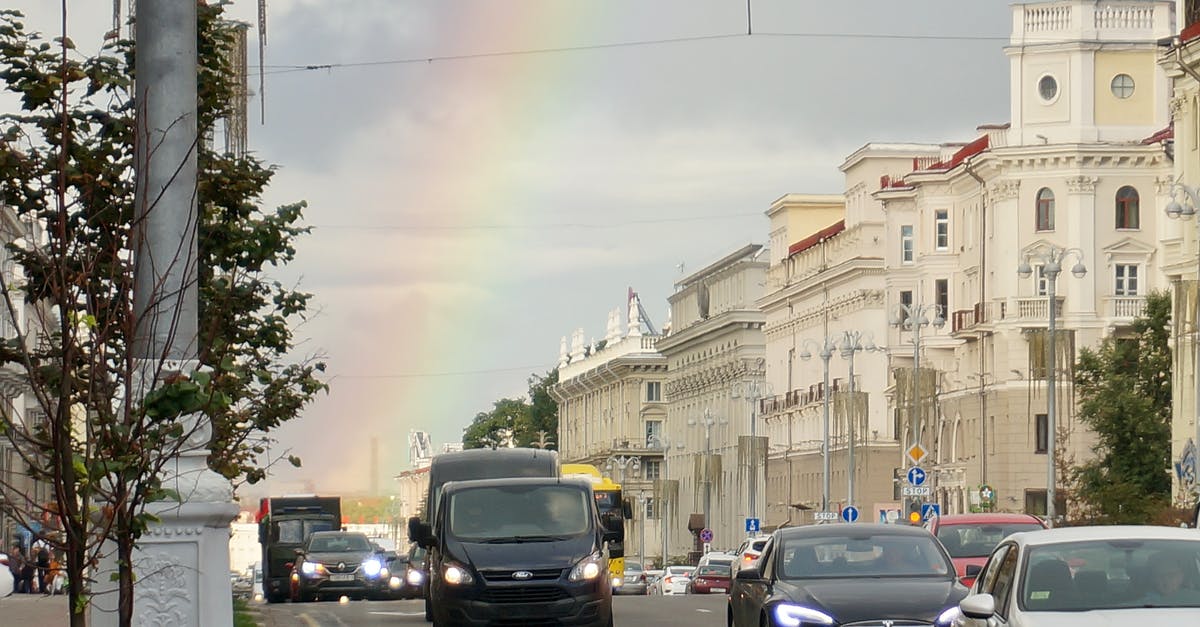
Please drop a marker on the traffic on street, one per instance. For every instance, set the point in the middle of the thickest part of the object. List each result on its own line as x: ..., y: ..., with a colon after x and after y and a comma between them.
x: 628, y: 611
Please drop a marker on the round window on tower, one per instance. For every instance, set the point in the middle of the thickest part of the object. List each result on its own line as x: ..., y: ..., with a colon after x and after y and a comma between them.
x: 1048, y: 88
x: 1122, y: 86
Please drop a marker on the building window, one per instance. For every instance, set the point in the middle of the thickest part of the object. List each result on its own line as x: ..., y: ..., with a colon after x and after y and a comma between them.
x: 1128, y: 213
x: 654, y: 433
x: 654, y: 391
x: 1043, y: 283
x: 941, y: 295
x: 1045, y: 209
x: 906, y: 243
x: 1127, y: 280
x: 1048, y: 88
x: 906, y: 300
x: 653, y: 509
x: 652, y: 470
x: 941, y: 229
x: 1041, y: 432
x: 1122, y: 86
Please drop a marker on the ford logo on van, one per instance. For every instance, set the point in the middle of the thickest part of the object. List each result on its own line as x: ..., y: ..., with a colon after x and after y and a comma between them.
x: 522, y: 574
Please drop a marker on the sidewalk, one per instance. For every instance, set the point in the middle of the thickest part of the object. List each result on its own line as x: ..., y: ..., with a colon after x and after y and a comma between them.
x: 34, y: 609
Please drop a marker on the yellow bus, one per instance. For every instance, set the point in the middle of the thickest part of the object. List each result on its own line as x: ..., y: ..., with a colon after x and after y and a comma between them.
x: 614, y: 511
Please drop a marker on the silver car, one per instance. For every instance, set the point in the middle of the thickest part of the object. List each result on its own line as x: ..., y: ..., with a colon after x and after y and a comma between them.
x: 1086, y: 576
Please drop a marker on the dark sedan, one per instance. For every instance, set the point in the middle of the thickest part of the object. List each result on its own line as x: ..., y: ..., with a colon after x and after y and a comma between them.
x: 833, y: 575
x: 339, y: 563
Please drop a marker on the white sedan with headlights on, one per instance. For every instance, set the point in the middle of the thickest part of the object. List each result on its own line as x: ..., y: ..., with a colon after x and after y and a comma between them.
x: 1086, y: 576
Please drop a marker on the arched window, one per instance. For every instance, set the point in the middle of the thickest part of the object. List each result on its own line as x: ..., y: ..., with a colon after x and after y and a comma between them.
x: 1128, y: 213
x: 1045, y: 209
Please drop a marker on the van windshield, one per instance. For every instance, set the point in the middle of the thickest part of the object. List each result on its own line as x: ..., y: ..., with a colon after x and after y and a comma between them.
x: 530, y: 513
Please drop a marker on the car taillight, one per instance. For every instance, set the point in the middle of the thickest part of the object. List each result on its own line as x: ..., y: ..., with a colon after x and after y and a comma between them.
x: 667, y: 579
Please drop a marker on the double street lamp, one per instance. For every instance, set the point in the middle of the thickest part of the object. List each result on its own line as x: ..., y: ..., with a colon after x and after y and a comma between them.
x: 1051, y: 258
x: 752, y: 391
x: 913, y: 317
x: 853, y: 342
x: 825, y: 351
x: 1186, y: 211
x: 663, y: 442
x: 623, y: 462
x: 707, y: 422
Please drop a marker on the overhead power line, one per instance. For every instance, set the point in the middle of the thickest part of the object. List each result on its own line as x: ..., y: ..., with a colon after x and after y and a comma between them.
x: 287, y: 69
x: 531, y: 225
x: 426, y: 375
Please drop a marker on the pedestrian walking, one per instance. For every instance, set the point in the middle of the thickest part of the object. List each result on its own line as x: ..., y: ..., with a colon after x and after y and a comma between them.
x: 42, y: 552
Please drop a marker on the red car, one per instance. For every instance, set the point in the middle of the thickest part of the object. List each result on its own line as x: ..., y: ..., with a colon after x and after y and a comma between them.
x: 970, y: 538
x: 711, y: 578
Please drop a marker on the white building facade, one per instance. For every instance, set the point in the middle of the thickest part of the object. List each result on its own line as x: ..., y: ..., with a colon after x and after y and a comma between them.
x: 716, y: 369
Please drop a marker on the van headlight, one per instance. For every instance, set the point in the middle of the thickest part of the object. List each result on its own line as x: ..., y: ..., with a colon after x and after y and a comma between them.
x: 588, y: 568
x: 456, y: 575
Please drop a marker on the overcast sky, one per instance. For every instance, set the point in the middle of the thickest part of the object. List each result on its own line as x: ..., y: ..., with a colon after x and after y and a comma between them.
x: 472, y: 208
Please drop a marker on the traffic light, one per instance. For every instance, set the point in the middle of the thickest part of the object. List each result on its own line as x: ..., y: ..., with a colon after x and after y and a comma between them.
x: 914, y: 512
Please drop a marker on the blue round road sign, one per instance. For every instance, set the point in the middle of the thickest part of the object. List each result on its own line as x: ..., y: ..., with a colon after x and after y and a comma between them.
x: 706, y: 535
x: 916, y: 476
x: 850, y: 514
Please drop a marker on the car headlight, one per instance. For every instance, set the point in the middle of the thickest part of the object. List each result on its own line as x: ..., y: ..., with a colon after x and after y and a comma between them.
x: 394, y: 583
x: 617, y: 582
x: 790, y: 615
x: 415, y: 577
x: 308, y: 568
x: 946, y: 618
x: 589, y: 568
x: 457, y: 575
x: 371, y: 567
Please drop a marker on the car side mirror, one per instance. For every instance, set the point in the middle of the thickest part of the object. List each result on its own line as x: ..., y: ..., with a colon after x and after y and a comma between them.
x: 973, y: 570
x: 980, y: 606
x: 299, y: 551
x: 750, y: 573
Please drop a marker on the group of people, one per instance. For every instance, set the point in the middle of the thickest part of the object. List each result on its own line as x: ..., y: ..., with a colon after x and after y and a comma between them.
x: 35, y: 571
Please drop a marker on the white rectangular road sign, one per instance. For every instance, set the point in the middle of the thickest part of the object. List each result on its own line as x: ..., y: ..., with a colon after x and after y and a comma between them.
x: 916, y: 490
x: 825, y: 515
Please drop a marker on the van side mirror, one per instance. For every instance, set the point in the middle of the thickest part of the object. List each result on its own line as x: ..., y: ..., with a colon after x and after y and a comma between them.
x: 627, y: 509
x: 424, y: 535
x: 414, y: 524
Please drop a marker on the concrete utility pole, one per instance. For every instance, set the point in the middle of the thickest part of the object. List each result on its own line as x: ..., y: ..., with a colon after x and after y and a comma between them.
x: 182, y: 563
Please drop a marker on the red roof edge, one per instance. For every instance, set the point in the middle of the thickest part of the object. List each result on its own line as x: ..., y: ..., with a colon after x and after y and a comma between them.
x: 964, y: 153
x: 817, y: 238
x: 1191, y: 32
x: 1163, y: 135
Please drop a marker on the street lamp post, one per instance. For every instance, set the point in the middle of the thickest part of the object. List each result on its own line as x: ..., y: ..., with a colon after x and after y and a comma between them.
x: 1051, y: 259
x: 753, y: 393
x: 912, y: 317
x: 853, y: 342
x: 708, y: 422
x: 1187, y: 211
x: 825, y: 351
x: 623, y: 462
x: 664, y: 443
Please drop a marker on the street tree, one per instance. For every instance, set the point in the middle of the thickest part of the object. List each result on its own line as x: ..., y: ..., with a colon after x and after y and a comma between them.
x: 1124, y: 391
x: 521, y: 422
x: 102, y: 444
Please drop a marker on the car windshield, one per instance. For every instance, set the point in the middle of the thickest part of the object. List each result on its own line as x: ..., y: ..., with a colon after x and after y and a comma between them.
x: 633, y: 567
x: 879, y: 555
x: 297, y: 531
x: 978, y: 539
x: 1111, y: 574
x: 713, y: 570
x: 338, y: 544
x: 515, y: 512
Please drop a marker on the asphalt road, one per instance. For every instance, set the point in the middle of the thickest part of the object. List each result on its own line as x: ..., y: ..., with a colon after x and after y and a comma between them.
x: 631, y: 611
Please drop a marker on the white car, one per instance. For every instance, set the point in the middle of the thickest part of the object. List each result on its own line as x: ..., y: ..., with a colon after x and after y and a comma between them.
x: 6, y: 578
x: 1087, y: 576
x: 674, y: 580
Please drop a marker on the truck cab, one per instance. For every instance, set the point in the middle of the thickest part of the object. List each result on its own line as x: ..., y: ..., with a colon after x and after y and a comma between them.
x: 284, y: 524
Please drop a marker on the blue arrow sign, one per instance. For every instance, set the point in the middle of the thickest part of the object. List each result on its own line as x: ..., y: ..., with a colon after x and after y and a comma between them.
x: 752, y: 525
x: 930, y: 510
x: 916, y: 476
x: 850, y: 514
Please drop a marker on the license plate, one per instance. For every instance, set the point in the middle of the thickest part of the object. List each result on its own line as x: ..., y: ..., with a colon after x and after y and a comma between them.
x: 718, y: 589
x: 342, y: 577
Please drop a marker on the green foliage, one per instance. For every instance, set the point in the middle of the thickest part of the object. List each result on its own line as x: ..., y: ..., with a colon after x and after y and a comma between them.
x: 521, y: 422
x: 1124, y: 389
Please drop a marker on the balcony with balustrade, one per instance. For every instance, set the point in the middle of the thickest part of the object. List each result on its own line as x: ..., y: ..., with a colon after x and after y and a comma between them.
x: 1121, y: 311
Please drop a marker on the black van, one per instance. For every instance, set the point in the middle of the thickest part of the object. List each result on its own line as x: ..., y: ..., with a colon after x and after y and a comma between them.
x: 518, y: 551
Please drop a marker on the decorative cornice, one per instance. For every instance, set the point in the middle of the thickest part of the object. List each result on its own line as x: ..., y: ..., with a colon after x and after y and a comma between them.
x: 1162, y: 185
x: 1007, y: 189
x: 1081, y: 184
